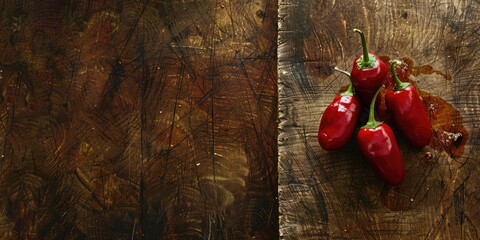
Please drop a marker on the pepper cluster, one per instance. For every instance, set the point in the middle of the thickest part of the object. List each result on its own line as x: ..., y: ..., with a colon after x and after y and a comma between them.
x: 376, y: 139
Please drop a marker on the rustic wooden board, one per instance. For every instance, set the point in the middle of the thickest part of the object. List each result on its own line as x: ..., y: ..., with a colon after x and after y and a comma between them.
x: 336, y: 195
x: 138, y: 119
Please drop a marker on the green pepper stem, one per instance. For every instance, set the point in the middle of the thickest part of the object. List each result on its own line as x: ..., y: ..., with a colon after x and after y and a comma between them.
x: 372, y: 122
x: 399, y: 85
x: 342, y: 71
x: 366, y: 58
x: 349, y: 91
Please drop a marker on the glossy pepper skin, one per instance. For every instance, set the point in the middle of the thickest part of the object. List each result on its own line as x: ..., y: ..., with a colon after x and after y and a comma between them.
x: 379, y: 145
x: 408, y: 111
x: 368, y: 73
x: 339, y: 120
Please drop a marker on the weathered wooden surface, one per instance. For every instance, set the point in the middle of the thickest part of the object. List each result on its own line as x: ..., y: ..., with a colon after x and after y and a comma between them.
x: 138, y: 119
x: 329, y: 195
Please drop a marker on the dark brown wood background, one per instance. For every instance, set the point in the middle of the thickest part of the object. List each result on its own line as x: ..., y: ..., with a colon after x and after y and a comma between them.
x: 336, y: 195
x: 157, y: 119
x: 138, y: 119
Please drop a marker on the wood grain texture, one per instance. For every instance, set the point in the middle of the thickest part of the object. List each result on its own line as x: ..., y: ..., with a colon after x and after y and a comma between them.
x: 134, y: 119
x: 336, y: 195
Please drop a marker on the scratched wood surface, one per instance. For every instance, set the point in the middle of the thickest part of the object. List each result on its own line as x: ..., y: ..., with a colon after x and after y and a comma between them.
x: 138, y: 119
x: 336, y: 195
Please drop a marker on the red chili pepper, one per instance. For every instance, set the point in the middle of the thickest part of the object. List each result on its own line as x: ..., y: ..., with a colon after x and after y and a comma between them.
x: 379, y: 145
x: 408, y: 111
x: 368, y: 73
x: 339, y: 119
